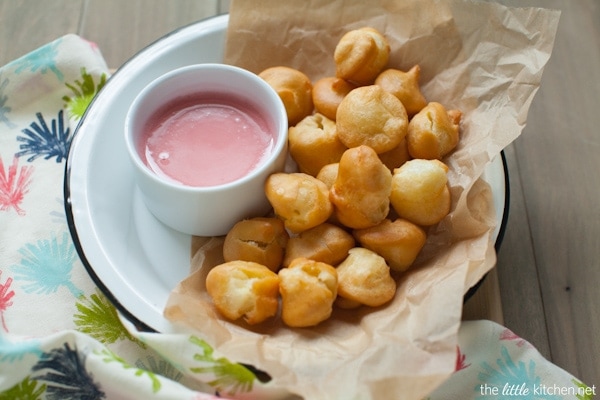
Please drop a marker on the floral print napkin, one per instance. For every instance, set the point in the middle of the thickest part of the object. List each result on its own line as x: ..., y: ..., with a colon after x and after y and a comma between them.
x: 61, y: 338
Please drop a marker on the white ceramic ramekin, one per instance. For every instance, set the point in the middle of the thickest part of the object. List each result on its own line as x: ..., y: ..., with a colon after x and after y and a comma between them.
x: 210, y: 210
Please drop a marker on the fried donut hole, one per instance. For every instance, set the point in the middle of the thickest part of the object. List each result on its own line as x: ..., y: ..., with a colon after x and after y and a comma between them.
x: 326, y: 243
x: 244, y: 289
x: 328, y: 93
x: 360, y: 55
x: 300, y: 200
x: 433, y: 132
x: 405, y: 86
x: 361, y: 191
x: 308, y: 289
x: 313, y: 143
x: 420, y: 191
x: 396, y: 157
x: 364, y: 277
x: 328, y: 174
x: 294, y: 88
x: 371, y: 116
x: 261, y: 240
x: 398, y: 242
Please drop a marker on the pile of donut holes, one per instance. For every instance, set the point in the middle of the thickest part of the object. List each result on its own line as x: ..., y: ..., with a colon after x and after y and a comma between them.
x: 370, y: 180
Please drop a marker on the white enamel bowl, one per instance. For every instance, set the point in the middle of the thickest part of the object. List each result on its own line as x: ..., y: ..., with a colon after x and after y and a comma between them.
x: 131, y: 256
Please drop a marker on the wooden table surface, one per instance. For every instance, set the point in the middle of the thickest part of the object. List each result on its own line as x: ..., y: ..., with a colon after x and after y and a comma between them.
x: 546, y: 284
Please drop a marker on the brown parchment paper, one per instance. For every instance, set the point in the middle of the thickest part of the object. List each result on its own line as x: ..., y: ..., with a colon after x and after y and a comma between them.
x: 482, y: 58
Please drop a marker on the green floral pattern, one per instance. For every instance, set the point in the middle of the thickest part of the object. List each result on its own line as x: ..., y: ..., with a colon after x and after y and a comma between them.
x: 109, y: 357
x: 98, y: 318
x: 27, y: 389
x: 229, y: 377
x: 83, y: 91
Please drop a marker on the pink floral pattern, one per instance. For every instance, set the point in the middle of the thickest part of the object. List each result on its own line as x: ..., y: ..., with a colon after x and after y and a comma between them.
x: 460, y: 360
x: 507, y: 334
x: 6, y: 296
x: 14, y: 184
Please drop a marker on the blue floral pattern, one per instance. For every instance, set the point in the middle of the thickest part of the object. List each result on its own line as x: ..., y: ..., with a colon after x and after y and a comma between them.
x: 46, y: 266
x: 40, y: 61
x: 47, y: 141
x: 4, y: 108
x: 65, y: 375
x: 512, y: 379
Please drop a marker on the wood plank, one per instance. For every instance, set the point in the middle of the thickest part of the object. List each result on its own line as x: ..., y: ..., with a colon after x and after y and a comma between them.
x: 517, y: 272
x: 26, y: 25
x: 122, y: 28
x: 224, y: 6
x: 558, y: 163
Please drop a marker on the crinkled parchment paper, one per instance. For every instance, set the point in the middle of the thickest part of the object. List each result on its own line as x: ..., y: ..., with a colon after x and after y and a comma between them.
x: 481, y: 58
